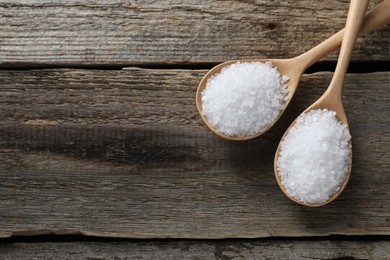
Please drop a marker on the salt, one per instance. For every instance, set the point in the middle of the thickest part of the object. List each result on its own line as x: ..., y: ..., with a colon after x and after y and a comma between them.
x: 314, y: 157
x: 244, y: 98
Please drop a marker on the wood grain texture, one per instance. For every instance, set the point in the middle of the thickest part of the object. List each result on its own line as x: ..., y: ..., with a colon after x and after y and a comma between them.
x: 125, y: 154
x: 273, y: 249
x: 118, y: 32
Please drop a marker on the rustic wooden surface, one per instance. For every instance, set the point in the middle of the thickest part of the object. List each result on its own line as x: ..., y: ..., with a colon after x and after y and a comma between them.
x: 125, y: 154
x: 115, y: 33
x: 100, y: 136
x: 274, y: 249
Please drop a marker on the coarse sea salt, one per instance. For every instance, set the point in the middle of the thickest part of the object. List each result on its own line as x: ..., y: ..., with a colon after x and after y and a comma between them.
x: 314, y: 157
x: 245, y: 98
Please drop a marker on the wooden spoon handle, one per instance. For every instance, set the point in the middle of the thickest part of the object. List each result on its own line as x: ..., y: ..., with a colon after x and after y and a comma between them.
x: 357, y: 9
x: 376, y: 17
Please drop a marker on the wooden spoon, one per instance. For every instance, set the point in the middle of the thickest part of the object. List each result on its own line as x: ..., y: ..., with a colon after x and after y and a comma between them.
x: 331, y: 99
x: 294, y: 67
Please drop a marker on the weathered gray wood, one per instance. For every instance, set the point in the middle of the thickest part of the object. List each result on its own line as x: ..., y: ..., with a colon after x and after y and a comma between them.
x: 272, y: 249
x: 125, y: 154
x: 119, y: 32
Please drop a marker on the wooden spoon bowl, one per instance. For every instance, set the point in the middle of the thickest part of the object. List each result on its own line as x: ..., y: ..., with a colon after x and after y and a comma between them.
x: 330, y: 102
x: 285, y: 67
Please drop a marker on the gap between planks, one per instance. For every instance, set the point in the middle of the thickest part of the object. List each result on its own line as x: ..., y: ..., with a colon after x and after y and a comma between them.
x: 321, y: 66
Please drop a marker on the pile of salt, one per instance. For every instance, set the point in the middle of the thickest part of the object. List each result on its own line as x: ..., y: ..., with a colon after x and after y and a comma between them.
x: 244, y: 98
x: 314, y: 157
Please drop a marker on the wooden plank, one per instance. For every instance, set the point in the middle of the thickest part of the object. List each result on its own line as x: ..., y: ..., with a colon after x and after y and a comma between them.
x: 117, y: 33
x: 270, y: 249
x: 125, y: 154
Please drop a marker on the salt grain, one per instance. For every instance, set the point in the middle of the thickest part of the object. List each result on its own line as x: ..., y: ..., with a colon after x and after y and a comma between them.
x: 244, y: 98
x: 314, y: 157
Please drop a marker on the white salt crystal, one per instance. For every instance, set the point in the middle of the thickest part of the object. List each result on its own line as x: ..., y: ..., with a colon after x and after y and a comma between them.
x: 244, y: 98
x: 314, y: 157
x: 285, y: 78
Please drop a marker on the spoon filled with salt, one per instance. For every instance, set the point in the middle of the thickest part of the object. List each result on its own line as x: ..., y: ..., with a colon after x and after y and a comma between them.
x: 314, y: 158
x: 242, y: 99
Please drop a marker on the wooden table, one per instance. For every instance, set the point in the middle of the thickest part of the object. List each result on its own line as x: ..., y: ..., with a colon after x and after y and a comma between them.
x: 103, y: 153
